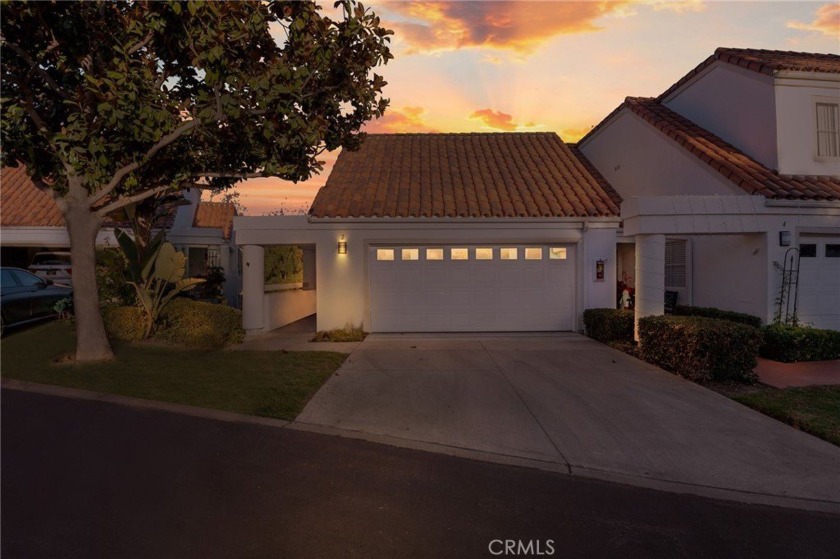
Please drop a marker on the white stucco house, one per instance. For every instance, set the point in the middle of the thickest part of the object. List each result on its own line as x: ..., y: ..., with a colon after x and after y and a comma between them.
x: 698, y: 191
x: 728, y: 169
x: 30, y: 222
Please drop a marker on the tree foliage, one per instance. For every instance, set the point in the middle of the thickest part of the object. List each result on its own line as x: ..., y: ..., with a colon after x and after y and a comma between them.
x: 109, y: 104
x: 139, y: 97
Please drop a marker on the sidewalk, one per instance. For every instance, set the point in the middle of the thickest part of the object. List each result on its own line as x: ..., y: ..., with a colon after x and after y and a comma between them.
x: 804, y: 373
x: 293, y: 337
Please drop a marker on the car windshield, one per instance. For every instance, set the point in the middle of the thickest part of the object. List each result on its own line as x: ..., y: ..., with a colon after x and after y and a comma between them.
x: 51, y: 260
x: 6, y: 279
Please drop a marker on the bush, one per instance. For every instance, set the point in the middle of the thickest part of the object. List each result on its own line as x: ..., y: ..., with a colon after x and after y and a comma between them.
x: 349, y: 333
x: 711, y: 312
x: 699, y: 348
x: 127, y: 324
x: 799, y: 343
x: 202, y: 325
x: 609, y: 325
x: 113, y: 287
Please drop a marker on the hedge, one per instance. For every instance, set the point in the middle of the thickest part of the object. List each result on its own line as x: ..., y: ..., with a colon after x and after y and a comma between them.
x: 197, y: 324
x: 124, y: 323
x: 799, y: 343
x: 711, y: 312
x: 183, y: 322
x: 609, y: 325
x: 700, y: 348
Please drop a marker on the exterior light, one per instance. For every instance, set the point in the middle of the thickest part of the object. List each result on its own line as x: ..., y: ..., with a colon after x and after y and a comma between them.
x: 342, y: 246
x: 784, y: 238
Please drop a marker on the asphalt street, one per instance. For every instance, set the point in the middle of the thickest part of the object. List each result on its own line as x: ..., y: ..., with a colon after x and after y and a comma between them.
x: 93, y: 479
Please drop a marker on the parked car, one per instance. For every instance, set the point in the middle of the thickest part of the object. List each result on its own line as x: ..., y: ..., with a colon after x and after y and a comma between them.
x: 53, y: 266
x: 24, y: 297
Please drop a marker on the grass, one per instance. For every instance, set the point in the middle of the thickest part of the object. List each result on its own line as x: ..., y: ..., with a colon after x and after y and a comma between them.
x: 813, y: 409
x: 265, y: 383
x: 346, y: 334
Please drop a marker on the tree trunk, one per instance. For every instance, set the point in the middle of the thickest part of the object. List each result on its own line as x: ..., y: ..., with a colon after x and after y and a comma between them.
x: 83, y: 225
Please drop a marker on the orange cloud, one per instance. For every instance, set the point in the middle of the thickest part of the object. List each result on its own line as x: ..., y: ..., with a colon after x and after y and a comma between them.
x: 495, y: 119
x: 826, y: 21
x: 517, y: 26
x: 406, y: 119
x: 574, y: 134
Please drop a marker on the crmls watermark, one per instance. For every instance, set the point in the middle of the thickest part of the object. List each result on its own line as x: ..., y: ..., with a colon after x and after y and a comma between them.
x: 535, y: 548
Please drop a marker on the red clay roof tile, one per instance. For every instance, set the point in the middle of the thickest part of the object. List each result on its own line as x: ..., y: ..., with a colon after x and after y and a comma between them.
x: 464, y: 175
x: 215, y: 215
x: 765, y: 62
x: 728, y: 160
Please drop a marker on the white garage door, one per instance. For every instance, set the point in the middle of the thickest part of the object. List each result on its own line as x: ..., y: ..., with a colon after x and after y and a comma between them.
x: 488, y: 288
x: 819, y: 281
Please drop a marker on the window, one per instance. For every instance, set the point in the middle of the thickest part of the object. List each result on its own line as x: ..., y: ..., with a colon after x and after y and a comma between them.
x: 675, y: 263
x: 828, y: 130
x: 484, y: 254
x: 808, y: 251
x: 7, y: 279
x: 384, y: 254
x: 459, y: 254
x: 557, y: 253
x: 434, y: 254
x: 533, y: 254
x: 214, y: 257
x: 411, y: 254
x: 508, y: 254
x: 832, y: 251
x: 26, y: 279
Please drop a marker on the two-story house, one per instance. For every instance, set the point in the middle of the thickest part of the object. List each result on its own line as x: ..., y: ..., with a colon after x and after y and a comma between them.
x: 722, y: 174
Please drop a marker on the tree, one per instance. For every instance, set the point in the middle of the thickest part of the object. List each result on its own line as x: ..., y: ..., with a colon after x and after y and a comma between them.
x: 110, y: 103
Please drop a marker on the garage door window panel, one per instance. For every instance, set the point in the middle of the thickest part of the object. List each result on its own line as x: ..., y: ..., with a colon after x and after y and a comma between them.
x: 385, y: 254
x: 509, y: 253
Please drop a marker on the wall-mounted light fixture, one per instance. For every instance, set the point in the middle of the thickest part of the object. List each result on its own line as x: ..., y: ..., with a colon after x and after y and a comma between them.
x: 784, y: 238
x: 342, y: 246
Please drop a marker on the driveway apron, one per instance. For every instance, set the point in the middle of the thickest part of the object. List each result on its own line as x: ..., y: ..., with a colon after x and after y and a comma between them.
x: 568, y: 400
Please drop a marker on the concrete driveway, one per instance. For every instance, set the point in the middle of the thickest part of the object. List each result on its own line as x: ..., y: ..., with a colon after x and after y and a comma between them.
x: 565, y: 402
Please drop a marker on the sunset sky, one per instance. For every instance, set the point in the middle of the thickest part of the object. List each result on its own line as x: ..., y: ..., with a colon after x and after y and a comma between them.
x: 551, y: 66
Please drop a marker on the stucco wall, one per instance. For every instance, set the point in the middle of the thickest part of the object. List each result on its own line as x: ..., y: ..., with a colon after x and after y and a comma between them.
x: 342, y: 279
x: 737, y: 105
x: 285, y: 307
x: 796, y: 117
x: 639, y: 160
x: 730, y: 273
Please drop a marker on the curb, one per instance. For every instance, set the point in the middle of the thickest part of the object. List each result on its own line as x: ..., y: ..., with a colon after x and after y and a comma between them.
x: 717, y: 493
x: 140, y: 403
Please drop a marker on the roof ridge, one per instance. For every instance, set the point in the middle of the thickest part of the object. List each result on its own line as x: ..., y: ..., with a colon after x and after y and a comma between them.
x: 763, y: 61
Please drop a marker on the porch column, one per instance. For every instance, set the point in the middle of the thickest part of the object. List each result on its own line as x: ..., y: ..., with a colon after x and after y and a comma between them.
x: 253, y: 288
x: 650, y: 278
x: 309, y: 268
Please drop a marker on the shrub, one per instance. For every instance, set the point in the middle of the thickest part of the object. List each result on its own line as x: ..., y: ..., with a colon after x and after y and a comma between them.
x: 124, y: 323
x: 799, y: 343
x: 201, y: 325
x: 699, y: 348
x: 113, y: 287
x: 349, y: 333
x: 609, y: 325
x: 711, y: 312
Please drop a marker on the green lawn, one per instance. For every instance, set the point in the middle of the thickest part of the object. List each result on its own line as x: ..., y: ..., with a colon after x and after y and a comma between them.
x: 265, y: 383
x: 814, y: 409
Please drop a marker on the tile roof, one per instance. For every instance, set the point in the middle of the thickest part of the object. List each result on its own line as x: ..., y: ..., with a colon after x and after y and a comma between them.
x: 216, y: 215
x: 464, y: 175
x: 765, y: 62
x: 729, y: 161
x: 22, y: 204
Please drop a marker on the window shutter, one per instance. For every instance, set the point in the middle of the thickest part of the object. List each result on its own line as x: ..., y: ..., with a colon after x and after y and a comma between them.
x: 675, y: 262
x: 828, y: 130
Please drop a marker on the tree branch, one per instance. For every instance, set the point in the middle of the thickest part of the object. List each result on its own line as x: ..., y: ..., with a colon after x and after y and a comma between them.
x: 146, y: 40
x: 123, y: 201
x: 131, y: 167
x: 35, y: 67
